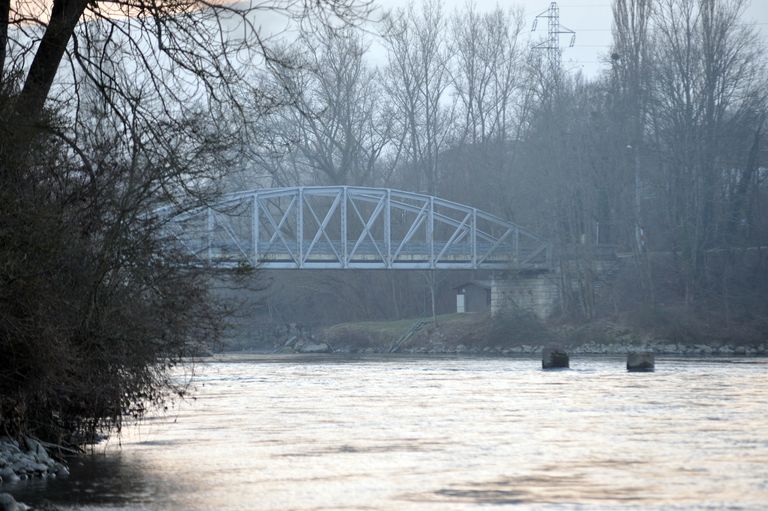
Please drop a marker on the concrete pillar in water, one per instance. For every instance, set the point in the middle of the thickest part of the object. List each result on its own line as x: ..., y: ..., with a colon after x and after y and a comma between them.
x: 640, y: 361
x: 554, y: 358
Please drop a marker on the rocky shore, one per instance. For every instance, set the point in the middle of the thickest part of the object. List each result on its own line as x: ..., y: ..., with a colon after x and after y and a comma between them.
x: 660, y: 347
x: 19, y: 462
x: 27, y: 460
x: 445, y: 345
x: 480, y: 335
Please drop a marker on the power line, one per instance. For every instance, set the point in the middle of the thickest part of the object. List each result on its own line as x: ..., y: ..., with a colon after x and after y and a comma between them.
x: 609, y: 30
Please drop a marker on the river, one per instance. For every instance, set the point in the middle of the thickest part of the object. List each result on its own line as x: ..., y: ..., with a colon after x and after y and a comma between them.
x: 390, y: 433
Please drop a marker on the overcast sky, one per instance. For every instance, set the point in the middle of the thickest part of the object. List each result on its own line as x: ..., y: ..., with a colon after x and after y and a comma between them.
x: 590, y: 19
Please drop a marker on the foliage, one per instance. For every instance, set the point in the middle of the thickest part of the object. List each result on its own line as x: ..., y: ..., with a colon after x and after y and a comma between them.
x: 94, y: 312
x: 517, y: 327
x: 95, y: 306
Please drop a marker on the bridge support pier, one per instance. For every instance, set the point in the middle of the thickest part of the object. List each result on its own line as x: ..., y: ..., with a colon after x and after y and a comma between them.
x: 537, y: 292
x: 641, y: 362
x: 554, y: 358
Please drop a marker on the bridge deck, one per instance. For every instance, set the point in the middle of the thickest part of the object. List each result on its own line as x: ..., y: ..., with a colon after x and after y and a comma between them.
x: 344, y: 227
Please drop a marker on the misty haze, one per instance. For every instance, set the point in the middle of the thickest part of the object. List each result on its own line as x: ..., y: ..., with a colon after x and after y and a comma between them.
x: 350, y: 254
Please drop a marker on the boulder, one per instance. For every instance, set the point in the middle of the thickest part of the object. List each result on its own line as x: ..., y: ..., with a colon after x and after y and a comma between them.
x: 38, y: 451
x: 8, y: 443
x: 22, y: 466
x: 8, y: 503
x: 60, y: 470
x: 554, y: 358
x: 640, y: 361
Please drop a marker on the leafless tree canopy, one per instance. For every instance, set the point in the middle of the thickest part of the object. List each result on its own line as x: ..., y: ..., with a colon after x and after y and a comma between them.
x: 107, y: 110
x: 660, y: 159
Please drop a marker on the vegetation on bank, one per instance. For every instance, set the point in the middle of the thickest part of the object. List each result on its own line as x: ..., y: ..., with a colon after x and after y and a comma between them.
x: 94, y: 308
x: 97, y: 302
x: 480, y: 332
x: 471, y: 330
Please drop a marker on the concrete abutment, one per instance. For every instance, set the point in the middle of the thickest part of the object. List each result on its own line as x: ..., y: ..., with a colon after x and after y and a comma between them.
x: 536, y: 292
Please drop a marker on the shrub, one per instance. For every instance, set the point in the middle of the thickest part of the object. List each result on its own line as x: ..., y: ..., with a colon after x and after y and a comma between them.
x: 95, y: 311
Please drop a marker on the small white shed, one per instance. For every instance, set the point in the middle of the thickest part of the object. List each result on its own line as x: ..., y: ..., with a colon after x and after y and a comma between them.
x: 473, y: 296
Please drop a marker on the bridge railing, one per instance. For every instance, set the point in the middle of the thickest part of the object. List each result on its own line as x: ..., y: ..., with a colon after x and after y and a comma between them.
x: 352, y: 227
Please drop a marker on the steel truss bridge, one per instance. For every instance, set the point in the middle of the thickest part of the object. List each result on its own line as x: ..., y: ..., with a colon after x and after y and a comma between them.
x: 351, y: 227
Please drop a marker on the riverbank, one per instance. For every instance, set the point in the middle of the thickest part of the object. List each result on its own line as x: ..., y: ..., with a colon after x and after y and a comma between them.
x: 27, y: 461
x: 518, y: 334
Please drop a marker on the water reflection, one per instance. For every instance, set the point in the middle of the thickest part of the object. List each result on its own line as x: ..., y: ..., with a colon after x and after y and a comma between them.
x: 279, y: 433
x: 98, y: 481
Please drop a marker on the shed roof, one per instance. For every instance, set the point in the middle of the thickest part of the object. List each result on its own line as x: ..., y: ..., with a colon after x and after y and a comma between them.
x: 485, y: 284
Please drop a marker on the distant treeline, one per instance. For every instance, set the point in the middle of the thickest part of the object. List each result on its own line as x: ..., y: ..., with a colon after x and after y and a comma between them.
x: 664, y: 151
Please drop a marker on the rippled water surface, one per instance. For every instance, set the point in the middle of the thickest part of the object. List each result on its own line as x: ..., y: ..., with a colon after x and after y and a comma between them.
x: 440, y: 434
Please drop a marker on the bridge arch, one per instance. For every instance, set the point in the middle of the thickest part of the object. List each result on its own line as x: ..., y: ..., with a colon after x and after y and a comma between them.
x: 350, y: 227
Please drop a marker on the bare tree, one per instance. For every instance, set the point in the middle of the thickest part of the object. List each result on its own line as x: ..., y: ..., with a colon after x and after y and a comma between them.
x: 337, y: 122
x: 710, y: 79
x: 417, y: 82
x: 487, y: 71
x: 183, y: 45
x: 125, y: 105
x: 488, y: 75
x: 631, y: 60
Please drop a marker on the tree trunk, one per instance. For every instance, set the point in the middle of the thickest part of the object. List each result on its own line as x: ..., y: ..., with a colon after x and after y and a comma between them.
x: 395, y: 301
x: 64, y: 16
x: 432, y: 291
x: 5, y: 12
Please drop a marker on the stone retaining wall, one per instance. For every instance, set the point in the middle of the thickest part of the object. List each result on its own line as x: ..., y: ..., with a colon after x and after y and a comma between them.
x: 538, y: 293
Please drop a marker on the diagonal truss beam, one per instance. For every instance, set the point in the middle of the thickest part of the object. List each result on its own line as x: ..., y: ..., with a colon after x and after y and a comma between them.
x: 457, y: 236
x: 415, y: 225
x: 278, y: 227
x: 275, y: 231
x: 366, y: 231
x: 322, y: 226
